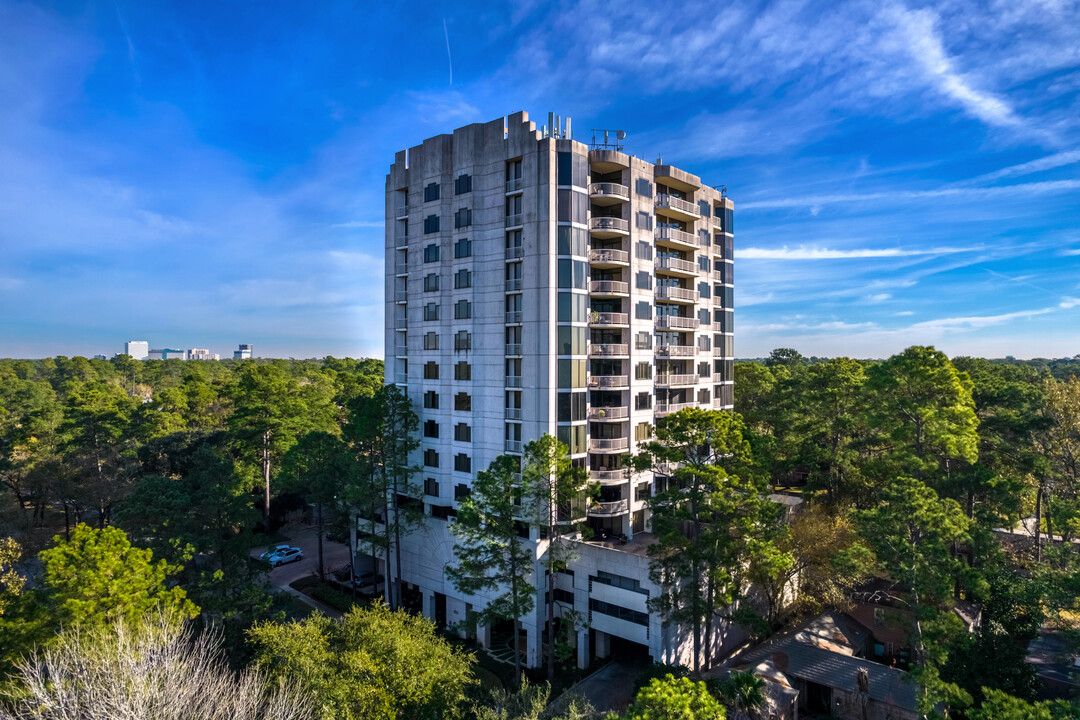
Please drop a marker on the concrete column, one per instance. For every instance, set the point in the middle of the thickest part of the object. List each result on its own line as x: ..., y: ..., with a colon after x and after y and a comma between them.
x: 483, y: 636
x: 603, y: 644
x: 583, y: 648
x: 429, y: 604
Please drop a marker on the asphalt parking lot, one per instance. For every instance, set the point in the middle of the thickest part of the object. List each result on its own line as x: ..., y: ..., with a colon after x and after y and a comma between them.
x: 335, y: 555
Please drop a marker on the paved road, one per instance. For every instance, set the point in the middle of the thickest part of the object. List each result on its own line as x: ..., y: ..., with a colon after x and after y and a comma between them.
x: 609, y: 688
x: 335, y: 555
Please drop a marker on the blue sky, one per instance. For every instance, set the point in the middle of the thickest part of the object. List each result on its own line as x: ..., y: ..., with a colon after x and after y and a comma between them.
x: 202, y: 174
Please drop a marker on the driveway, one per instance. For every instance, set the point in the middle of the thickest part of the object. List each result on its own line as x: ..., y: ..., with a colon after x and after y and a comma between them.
x: 611, y: 688
x: 305, y: 537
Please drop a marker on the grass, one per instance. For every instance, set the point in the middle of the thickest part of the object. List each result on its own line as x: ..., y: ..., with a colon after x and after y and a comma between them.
x: 329, y: 594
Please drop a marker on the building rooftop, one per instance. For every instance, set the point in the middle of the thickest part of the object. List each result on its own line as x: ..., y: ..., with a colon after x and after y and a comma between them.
x: 637, y: 545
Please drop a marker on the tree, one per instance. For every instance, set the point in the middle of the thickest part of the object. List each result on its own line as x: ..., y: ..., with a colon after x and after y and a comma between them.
x: 372, y: 663
x: 11, y: 582
x: 271, y: 410
x: 1059, y: 443
x: 672, y: 698
x: 493, y: 554
x: 97, y: 576
x: 317, y: 467
x: 744, y: 692
x: 149, y: 666
x: 556, y: 493
x: 29, y: 417
x: 999, y: 705
x: 530, y: 702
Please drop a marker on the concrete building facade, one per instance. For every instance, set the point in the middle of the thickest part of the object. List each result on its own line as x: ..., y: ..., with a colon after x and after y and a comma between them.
x: 137, y: 349
x: 536, y: 284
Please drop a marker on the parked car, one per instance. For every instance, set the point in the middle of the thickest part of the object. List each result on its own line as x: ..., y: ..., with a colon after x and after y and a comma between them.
x: 274, y: 551
x: 286, y: 556
x: 367, y: 579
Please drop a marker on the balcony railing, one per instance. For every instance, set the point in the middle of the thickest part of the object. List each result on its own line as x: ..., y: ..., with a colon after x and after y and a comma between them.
x: 609, y: 224
x: 609, y: 444
x: 513, y: 413
x: 609, y: 381
x: 513, y: 348
x: 719, y: 403
x: 608, y: 318
x: 513, y: 316
x: 673, y: 322
x: 718, y: 352
x: 606, y: 509
x: 673, y: 203
x: 604, y: 255
x: 608, y: 477
x: 514, y: 252
x: 513, y: 446
x: 401, y: 211
x: 513, y: 185
x: 608, y: 350
x: 676, y: 350
x: 513, y: 284
x: 514, y: 220
x: 676, y: 264
x: 609, y: 287
x: 513, y: 381
x: 401, y: 296
x: 665, y: 292
x: 609, y: 413
x: 614, y: 190
x: 401, y: 379
x: 401, y: 350
x: 673, y: 235
x: 718, y: 301
x: 676, y: 380
x: 665, y: 408
x: 401, y: 267
x: 718, y: 222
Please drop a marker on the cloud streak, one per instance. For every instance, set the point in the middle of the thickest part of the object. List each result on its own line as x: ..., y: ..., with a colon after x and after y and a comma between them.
x: 820, y: 253
x: 963, y: 193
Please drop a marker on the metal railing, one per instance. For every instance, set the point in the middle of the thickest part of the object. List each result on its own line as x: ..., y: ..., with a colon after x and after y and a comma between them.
x: 676, y: 380
x: 665, y: 322
x: 609, y: 318
x: 665, y: 408
x: 670, y: 263
x: 608, y: 476
x: 513, y: 348
x: 609, y: 381
x: 676, y: 293
x: 609, y: 287
x: 609, y: 443
x: 718, y: 222
x: 673, y: 203
x: 609, y: 190
x: 513, y: 381
x: 666, y: 234
x: 513, y: 446
x: 604, y: 255
x: 513, y: 185
x: 513, y: 316
x: 401, y: 296
x: 513, y: 413
x: 401, y: 211
x: 401, y: 379
x: 401, y: 267
x: 400, y: 350
x: 608, y: 350
x: 609, y: 224
x: 609, y: 413
x: 513, y: 284
x: 514, y: 252
x: 514, y: 220
x: 676, y: 350
x: 617, y: 507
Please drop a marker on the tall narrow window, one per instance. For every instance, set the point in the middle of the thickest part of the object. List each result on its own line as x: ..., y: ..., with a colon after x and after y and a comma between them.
x: 431, y: 192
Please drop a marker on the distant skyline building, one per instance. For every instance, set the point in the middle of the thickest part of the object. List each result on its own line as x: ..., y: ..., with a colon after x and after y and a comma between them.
x: 138, y: 349
x: 244, y: 353
x: 167, y: 354
x: 202, y: 354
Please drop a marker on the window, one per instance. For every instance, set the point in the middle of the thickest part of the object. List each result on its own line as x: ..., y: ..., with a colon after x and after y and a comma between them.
x: 643, y: 280
x: 431, y: 429
x: 431, y: 192
x: 643, y: 371
x: 431, y: 400
x: 513, y: 239
x: 431, y: 311
x: 572, y: 436
x: 570, y: 407
x: 643, y: 310
x: 643, y: 340
x: 462, y: 463
x: 463, y: 371
x: 431, y: 341
x: 431, y: 371
x: 573, y: 241
x: 463, y: 432
x: 571, y: 340
x: 462, y: 279
x: 703, y: 396
x: 643, y: 251
x: 572, y: 274
x: 431, y: 253
x: 461, y: 491
x: 463, y: 184
x: 643, y: 401
x: 463, y: 402
x: 572, y: 307
x: 431, y: 283
x: 431, y: 224
x: 572, y: 169
x: 431, y: 487
x: 463, y: 218
x: 463, y: 248
x: 572, y: 206
x: 703, y: 369
x: 642, y: 432
x: 463, y: 340
x: 462, y: 310
x: 431, y: 458
x: 571, y: 373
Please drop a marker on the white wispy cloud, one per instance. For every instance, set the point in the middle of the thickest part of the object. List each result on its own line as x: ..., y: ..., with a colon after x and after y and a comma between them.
x: 359, y: 224
x: 820, y: 253
x: 880, y: 297
x: 969, y: 193
x: 1048, y: 162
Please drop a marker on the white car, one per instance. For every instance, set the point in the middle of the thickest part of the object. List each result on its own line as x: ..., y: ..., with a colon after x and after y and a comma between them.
x: 274, y: 551
x: 286, y: 556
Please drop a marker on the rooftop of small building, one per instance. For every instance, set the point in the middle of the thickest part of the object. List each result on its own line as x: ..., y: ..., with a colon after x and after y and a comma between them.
x: 636, y: 545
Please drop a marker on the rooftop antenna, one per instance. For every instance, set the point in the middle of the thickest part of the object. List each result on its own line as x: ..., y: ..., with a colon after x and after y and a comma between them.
x: 604, y: 141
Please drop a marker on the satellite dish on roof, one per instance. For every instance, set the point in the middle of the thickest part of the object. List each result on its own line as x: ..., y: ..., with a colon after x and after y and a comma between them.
x: 620, y: 134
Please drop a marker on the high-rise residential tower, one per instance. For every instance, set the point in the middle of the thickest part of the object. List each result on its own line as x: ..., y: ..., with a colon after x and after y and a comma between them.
x: 137, y: 349
x: 536, y: 284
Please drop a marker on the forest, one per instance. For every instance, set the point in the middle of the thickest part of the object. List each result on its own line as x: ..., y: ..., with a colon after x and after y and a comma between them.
x: 131, y: 494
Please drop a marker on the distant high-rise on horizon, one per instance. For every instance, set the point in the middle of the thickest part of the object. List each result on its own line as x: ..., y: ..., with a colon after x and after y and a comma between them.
x: 244, y: 353
x: 535, y: 284
x: 137, y: 349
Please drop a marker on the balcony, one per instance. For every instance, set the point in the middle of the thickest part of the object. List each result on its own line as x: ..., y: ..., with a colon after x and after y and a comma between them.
x: 513, y: 413
x: 513, y: 381
x: 608, y: 319
x: 513, y: 348
x: 609, y: 445
x: 719, y: 404
x: 608, y: 477
x: 513, y: 446
x: 676, y: 350
x: 677, y: 238
x: 401, y: 267
x: 677, y: 266
x: 676, y: 294
x: 718, y: 223
x: 718, y: 301
x: 607, y: 227
x: 515, y: 252
x: 609, y: 257
x: 677, y: 207
x: 602, y: 350
x: 513, y: 317
x: 515, y: 220
x: 401, y: 350
x: 401, y: 379
x: 609, y: 509
x: 608, y: 193
x: 514, y: 185
x: 609, y: 287
x: 401, y: 240
x: 513, y: 284
x: 609, y: 381
x: 673, y: 322
x: 601, y: 414
x: 718, y: 352
x: 401, y: 211
x: 667, y: 408
x: 676, y: 380
x: 401, y: 296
